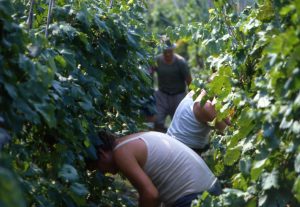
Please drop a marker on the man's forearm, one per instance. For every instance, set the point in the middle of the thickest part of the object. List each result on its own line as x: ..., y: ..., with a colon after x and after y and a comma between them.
x: 220, y: 126
x: 149, y: 198
x: 148, y: 202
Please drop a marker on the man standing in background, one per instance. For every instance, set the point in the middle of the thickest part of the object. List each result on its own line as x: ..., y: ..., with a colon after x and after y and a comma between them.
x: 173, y: 77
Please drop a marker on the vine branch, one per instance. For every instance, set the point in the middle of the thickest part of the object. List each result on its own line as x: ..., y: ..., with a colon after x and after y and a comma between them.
x: 51, y: 3
x: 30, y: 15
x: 111, y: 4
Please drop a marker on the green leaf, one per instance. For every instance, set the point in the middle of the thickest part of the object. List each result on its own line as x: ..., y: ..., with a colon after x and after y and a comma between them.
x: 270, y: 180
x: 101, y: 25
x: 10, y: 191
x: 285, y: 124
x: 79, y: 189
x: 132, y: 40
x: 252, y: 23
x: 296, y: 127
x: 4, y: 137
x: 60, y: 60
x: 263, y: 102
x: 262, y: 200
x: 6, y: 8
x: 87, y: 142
x: 232, y: 155
x: 283, y: 43
x: 58, y: 87
x: 257, y: 168
x: 226, y: 37
x: 287, y: 9
x: 68, y: 173
x: 52, y: 64
x: 260, y: 163
x: 82, y: 16
x: 236, y: 192
x: 266, y: 11
x: 245, y: 165
x: 107, y: 51
x: 239, y: 182
x: 297, y: 163
x: 33, y: 170
x: 34, y: 50
x: 252, y: 202
x: 220, y: 86
x: 11, y: 90
x: 47, y: 112
x: 86, y: 105
x: 296, y: 188
x: 297, y: 100
x: 68, y: 57
x: 78, y: 193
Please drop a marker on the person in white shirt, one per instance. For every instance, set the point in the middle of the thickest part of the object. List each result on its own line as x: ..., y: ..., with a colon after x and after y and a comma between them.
x: 190, y: 122
x: 162, y: 169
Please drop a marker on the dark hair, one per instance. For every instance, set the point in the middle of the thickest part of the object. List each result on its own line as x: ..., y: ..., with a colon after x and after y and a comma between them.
x: 107, y: 143
x: 167, y: 44
x: 108, y: 140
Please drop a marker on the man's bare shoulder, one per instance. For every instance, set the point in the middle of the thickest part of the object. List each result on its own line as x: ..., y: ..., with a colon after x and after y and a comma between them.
x: 130, y: 136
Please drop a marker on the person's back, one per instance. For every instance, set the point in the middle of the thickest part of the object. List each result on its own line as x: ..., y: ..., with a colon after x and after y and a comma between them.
x: 174, y: 169
x: 186, y: 128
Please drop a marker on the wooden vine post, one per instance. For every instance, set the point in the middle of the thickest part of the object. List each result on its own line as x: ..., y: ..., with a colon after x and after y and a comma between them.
x: 51, y: 3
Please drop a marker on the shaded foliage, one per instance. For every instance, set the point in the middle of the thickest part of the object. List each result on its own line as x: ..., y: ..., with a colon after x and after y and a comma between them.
x: 57, y: 92
x: 255, y: 54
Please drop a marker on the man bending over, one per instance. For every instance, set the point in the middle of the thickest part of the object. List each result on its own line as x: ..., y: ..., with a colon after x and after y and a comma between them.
x: 162, y: 169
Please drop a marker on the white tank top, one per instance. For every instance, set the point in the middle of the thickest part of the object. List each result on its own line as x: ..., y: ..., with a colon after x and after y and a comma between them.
x: 186, y: 128
x: 174, y: 169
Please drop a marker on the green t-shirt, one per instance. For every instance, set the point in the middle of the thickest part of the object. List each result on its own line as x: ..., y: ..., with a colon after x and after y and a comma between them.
x: 172, y: 77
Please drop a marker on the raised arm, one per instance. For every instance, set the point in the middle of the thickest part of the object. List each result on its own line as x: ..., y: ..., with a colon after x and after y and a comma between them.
x: 208, y: 113
x: 130, y: 167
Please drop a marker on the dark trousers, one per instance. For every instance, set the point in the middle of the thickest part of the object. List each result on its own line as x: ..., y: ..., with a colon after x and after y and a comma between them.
x: 186, y: 201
